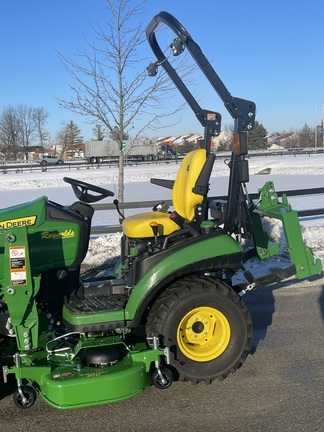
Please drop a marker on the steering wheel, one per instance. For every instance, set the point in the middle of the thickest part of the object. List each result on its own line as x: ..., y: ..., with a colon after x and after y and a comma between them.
x: 81, y: 190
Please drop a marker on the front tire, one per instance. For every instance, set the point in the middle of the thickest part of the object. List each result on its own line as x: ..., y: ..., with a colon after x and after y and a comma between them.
x: 28, y: 400
x: 205, y: 324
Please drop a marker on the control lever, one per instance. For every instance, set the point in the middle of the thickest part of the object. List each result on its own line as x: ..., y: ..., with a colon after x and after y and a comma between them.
x: 155, y: 228
x: 116, y: 202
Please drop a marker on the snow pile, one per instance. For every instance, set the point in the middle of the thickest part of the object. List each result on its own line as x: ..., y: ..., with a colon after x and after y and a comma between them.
x: 103, y: 253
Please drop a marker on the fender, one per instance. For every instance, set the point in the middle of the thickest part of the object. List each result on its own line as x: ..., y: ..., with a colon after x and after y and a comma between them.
x: 211, y: 252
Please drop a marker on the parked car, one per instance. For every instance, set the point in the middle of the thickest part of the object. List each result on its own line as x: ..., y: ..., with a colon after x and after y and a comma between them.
x: 50, y: 160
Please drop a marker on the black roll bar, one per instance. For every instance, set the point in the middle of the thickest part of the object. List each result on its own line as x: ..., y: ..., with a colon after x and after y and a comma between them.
x: 241, y: 110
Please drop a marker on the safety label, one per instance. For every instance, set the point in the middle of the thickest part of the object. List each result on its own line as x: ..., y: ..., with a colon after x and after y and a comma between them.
x: 18, y: 272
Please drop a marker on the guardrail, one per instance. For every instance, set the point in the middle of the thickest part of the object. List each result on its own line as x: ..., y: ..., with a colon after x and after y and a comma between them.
x: 110, y: 229
x: 32, y: 167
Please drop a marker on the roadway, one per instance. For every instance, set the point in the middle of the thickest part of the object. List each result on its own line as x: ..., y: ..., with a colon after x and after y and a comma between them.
x: 279, y: 388
x: 69, y: 163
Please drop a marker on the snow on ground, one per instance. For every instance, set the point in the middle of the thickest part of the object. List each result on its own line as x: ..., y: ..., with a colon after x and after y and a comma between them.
x: 288, y: 172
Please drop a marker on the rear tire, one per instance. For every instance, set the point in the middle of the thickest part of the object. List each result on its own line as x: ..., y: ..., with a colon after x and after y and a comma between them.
x: 205, y: 324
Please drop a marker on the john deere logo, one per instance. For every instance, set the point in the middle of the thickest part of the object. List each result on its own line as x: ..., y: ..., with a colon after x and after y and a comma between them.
x: 54, y: 235
x: 19, y: 222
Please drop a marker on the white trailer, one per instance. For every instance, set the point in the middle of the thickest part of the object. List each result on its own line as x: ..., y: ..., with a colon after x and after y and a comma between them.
x: 108, y: 150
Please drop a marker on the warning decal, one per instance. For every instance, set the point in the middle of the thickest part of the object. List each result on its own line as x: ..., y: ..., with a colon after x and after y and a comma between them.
x: 18, y: 272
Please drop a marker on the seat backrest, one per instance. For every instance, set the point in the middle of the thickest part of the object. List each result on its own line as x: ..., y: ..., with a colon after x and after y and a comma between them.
x: 183, y: 196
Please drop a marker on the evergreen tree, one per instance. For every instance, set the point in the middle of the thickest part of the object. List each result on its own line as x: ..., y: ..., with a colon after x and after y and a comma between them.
x: 99, y: 132
x: 115, y: 133
x: 257, y: 137
x: 306, y: 136
x: 74, y: 134
x: 68, y: 137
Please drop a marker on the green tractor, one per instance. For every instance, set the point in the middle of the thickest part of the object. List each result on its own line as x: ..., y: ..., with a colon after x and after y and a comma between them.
x: 171, y: 310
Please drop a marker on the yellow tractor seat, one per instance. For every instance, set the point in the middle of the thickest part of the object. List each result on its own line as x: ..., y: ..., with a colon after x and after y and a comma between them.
x: 189, y: 189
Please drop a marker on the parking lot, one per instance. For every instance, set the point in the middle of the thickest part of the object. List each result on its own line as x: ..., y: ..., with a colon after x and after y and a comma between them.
x: 279, y: 388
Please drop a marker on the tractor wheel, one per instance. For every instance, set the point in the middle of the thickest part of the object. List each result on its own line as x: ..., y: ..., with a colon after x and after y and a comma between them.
x: 29, y: 397
x: 163, y: 382
x: 205, y: 324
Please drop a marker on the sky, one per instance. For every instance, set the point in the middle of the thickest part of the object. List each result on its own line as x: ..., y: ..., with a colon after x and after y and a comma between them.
x: 267, y: 52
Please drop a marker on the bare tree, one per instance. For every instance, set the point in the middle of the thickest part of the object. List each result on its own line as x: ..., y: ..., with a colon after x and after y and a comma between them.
x: 62, y: 141
x: 111, y: 82
x: 26, y: 127
x: 19, y: 126
x: 39, y: 118
x: 9, y: 128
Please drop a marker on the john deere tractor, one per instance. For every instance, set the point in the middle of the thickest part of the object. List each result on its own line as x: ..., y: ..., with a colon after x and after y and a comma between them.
x: 172, y: 309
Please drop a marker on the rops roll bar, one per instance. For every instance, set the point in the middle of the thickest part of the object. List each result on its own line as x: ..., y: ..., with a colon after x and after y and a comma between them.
x: 241, y: 110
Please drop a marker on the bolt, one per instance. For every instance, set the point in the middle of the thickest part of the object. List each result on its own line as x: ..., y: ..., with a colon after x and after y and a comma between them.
x: 11, y: 238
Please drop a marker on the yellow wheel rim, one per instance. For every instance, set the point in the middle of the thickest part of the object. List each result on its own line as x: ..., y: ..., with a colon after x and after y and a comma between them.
x: 203, y: 334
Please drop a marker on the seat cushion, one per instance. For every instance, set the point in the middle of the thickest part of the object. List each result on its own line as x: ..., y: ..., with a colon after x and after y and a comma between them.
x: 183, y: 198
x: 138, y: 225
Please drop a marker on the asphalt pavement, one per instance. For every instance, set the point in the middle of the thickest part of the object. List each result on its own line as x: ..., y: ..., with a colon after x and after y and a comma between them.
x: 280, y: 387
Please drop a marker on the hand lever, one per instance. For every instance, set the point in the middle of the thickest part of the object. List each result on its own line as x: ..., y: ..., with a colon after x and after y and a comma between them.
x: 155, y: 228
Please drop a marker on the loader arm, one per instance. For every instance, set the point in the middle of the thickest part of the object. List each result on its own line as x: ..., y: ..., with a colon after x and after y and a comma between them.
x: 269, y: 205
